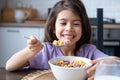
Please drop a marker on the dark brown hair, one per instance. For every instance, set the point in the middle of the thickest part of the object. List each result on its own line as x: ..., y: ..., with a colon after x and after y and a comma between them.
x: 78, y: 8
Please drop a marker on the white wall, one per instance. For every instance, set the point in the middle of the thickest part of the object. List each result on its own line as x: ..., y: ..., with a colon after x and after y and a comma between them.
x: 111, y: 7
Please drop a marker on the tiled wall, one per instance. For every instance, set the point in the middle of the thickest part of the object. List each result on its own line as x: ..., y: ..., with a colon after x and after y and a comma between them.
x: 111, y: 7
x: 41, y: 5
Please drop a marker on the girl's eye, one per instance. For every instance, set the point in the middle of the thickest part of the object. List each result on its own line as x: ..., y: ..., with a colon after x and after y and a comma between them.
x: 77, y: 24
x: 63, y: 24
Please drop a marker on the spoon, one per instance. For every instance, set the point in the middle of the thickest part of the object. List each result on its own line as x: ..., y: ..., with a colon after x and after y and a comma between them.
x: 26, y: 37
x: 57, y: 45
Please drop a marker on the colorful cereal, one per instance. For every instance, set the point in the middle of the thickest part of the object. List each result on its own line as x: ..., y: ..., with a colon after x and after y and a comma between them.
x: 72, y: 64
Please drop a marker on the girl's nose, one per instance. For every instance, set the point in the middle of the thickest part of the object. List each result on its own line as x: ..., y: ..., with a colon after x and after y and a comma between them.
x: 68, y: 27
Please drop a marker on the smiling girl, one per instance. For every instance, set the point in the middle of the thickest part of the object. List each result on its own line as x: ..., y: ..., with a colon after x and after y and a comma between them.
x: 67, y: 20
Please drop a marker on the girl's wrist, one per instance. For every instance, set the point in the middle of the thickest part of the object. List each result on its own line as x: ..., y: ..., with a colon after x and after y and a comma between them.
x: 30, y: 52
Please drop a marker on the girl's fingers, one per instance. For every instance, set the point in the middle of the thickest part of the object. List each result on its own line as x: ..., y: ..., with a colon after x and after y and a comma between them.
x: 94, y: 62
x: 93, y: 68
x: 32, y: 40
x: 37, y: 44
x: 91, y: 78
x: 34, y: 45
x: 36, y: 49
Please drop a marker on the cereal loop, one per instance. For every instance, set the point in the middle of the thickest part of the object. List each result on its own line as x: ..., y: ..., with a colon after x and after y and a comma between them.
x: 72, y: 64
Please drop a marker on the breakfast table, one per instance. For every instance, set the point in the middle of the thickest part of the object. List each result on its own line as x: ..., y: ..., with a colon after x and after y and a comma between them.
x: 26, y: 74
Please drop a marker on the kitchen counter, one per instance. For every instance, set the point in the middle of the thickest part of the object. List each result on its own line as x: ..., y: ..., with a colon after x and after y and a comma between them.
x: 110, y: 26
x: 22, y: 24
x: 106, y: 26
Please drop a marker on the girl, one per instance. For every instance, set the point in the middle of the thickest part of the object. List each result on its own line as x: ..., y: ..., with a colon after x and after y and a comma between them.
x: 67, y: 20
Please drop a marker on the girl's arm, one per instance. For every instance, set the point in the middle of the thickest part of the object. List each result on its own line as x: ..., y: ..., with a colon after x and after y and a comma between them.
x: 21, y: 58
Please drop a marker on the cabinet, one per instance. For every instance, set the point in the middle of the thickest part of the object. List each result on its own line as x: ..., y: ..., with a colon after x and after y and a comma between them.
x: 12, y: 40
x: 111, y: 39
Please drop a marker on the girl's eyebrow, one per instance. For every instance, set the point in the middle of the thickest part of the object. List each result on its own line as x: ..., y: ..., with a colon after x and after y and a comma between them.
x: 77, y: 20
x: 73, y: 20
x: 62, y: 19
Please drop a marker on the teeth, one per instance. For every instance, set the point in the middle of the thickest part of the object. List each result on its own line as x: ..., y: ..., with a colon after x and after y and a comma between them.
x: 68, y: 37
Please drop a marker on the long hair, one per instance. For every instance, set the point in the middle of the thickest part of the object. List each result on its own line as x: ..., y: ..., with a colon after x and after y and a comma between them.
x: 78, y: 8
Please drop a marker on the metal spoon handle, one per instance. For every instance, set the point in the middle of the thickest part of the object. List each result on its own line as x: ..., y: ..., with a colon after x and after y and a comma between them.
x: 26, y: 37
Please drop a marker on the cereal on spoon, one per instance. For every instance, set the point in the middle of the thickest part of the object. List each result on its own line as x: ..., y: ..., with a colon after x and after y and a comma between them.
x: 61, y: 42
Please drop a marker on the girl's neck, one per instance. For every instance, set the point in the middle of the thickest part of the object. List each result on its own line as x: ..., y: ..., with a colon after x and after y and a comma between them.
x: 68, y: 51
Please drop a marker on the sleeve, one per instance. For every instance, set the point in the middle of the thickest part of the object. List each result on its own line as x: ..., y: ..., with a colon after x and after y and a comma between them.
x: 40, y: 61
x: 97, y: 53
x: 90, y: 51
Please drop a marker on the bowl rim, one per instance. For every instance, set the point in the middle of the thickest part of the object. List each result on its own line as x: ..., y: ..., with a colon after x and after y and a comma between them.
x: 76, y: 57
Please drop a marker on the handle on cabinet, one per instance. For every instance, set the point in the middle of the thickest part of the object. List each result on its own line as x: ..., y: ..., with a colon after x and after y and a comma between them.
x: 13, y: 31
x: 109, y: 34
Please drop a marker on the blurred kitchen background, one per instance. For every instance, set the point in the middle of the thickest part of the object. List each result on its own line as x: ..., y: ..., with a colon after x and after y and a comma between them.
x: 12, y: 31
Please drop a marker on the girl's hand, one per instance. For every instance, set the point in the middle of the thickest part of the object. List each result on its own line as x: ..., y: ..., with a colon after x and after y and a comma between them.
x: 91, y: 70
x: 34, y: 45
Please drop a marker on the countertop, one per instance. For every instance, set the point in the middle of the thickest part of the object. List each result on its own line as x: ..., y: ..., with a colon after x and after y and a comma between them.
x: 106, y: 26
x: 109, y: 26
x: 22, y: 24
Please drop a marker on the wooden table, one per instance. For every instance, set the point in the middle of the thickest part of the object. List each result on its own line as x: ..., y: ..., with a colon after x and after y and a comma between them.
x: 16, y: 75
x: 26, y: 74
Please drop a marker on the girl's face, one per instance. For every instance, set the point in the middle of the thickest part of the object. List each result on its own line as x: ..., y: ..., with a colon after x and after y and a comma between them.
x: 68, y: 26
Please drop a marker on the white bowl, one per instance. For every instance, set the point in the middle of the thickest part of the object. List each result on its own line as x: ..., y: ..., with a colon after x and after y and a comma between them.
x: 62, y: 73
